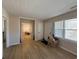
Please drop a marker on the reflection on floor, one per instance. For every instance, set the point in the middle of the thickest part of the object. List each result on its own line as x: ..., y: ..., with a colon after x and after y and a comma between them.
x: 26, y: 38
x: 31, y: 49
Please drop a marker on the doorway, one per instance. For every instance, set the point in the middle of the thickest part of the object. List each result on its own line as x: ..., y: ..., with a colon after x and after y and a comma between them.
x: 4, y: 31
x: 27, y: 30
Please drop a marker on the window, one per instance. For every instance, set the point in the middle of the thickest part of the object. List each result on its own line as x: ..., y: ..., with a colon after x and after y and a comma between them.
x: 71, y: 29
x: 59, y: 28
x: 66, y: 29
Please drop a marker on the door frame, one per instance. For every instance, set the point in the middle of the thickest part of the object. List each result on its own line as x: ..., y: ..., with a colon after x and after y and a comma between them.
x: 32, y: 29
x: 6, y: 30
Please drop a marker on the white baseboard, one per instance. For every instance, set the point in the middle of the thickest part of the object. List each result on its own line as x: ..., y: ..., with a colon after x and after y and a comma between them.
x: 13, y: 44
x: 68, y: 50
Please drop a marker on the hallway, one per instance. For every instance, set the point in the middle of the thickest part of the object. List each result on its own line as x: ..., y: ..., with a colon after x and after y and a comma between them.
x: 26, y: 38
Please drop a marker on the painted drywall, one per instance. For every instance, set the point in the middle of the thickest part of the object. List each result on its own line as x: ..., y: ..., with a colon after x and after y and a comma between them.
x: 38, y: 30
x: 14, y: 30
x: 27, y: 27
x: 47, y: 29
x: 68, y: 45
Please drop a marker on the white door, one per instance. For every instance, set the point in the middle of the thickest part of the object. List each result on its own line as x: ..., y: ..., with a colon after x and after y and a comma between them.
x: 40, y: 30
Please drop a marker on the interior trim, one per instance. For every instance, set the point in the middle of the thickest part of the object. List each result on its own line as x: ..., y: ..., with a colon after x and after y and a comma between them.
x: 68, y: 50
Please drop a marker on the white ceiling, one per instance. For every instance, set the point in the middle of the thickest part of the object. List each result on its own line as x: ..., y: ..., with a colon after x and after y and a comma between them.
x: 40, y: 9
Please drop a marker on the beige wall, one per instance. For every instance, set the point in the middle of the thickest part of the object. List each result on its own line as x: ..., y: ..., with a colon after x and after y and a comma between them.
x: 47, y: 28
x: 68, y: 45
x: 27, y: 27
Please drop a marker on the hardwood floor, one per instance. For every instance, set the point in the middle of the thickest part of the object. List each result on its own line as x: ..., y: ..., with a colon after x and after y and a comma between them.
x: 31, y: 49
